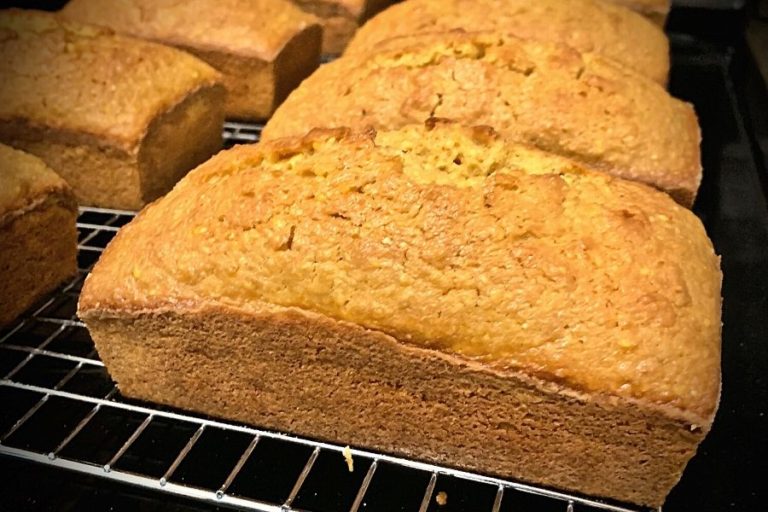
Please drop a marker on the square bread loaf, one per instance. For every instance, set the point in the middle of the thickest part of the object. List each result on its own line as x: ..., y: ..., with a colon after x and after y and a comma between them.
x: 38, y: 238
x: 341, y: 19
x: 439, y: 293
x: 582, y: 106
x: 120, y: 119
x: 263, y: 48
x: 589, y: 26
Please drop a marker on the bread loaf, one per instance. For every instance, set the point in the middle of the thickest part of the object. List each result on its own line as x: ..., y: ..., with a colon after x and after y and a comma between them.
x: 435, y: 292
x: 341, y: 19
x: 120, y: 119
x: 586, y: 25
x: 38, y: 239
x: 548, y: 95
x: 264, y: 48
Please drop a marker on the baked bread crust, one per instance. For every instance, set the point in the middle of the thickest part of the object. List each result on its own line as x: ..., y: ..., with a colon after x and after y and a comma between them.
x: 264, y: 48
x: 341, y: 19
x: 26, y: 182
x: 292, y: 371
x: 102, y: 109
x: 449, y: 248
x: 38, y: 239
x: 578, y: 105
x: 589, y: 26
x: 654, y: 10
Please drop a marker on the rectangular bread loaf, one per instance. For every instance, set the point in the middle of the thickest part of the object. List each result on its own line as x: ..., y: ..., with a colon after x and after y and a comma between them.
x: 341, y: 19
x: 654, y: 10
x: 264, y: 48
x: 586, y: 25
x: 434, y: 292
x: 38, y: 239
x: 548, y: 95
x: 120, y: 119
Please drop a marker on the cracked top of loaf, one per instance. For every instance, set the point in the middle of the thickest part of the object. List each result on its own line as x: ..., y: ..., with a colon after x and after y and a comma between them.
x: 25, y: 181
x: 84, y: 81
x: 444, y: 237
x: 252, y: 28
x: 587, y: 25
x: 548, y: 95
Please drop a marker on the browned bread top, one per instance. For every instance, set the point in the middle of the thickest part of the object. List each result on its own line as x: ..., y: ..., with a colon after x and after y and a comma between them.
x: 87, y: 81
x: 586, y: 25
x: 253, y: 28
x: 25, y: 181
x: 444, y: 237
x: 548, y: 95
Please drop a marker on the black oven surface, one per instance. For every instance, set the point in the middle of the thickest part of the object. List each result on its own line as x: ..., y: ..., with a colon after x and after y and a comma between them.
x: 69, y: 441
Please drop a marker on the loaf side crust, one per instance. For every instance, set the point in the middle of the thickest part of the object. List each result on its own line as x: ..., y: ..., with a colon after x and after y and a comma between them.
x: 295, y: 371
x: 107, y: 175
x: 339, y: 23
x: 588, y: 26
x: 256, y: 87
x: 338, y: 31
x: 73, y: 78
x: 299, y: 60
x: 100, y: 174
x: 38, y: 250
x: 341, y: 19
x: 577, y: 105
x: 178, y: 140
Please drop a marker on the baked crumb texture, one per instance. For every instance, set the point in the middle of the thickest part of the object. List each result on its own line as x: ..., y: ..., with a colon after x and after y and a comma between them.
x: 548, y: 95
x: 433, y: 291
x: 589, y: 26
x: 38, y: 239
x: 121, y: 120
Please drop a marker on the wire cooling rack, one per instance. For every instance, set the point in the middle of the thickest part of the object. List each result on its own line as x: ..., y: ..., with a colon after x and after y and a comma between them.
x: 60, y: 408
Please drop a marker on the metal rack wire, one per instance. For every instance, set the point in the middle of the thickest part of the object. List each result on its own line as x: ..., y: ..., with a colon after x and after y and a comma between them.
x: 61, y: 409
x: 241, y: 133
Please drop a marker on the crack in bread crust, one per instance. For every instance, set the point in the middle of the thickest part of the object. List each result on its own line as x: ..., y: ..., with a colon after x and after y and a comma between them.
x: 614, y: 32
x: 547, y: 95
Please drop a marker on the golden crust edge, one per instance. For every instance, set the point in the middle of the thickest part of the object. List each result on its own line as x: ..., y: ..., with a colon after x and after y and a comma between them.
x: 90, y: 308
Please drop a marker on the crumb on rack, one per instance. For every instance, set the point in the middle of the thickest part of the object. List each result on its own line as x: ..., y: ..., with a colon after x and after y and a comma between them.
x: 347, y: 453
x: 442, y: 498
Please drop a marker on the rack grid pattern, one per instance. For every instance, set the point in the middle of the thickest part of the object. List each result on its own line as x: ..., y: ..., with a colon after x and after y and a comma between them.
x: 60, y: 408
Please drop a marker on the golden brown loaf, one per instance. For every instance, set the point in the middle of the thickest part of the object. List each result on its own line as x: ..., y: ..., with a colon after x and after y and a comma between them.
x: 341, y: 19
x: 120, y: 119
x: 654, y: 10
x: 465, y: 294
x: 586, y: 25
x: 38, y: 239
x: 578, y: 105
x: 264, y: 48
